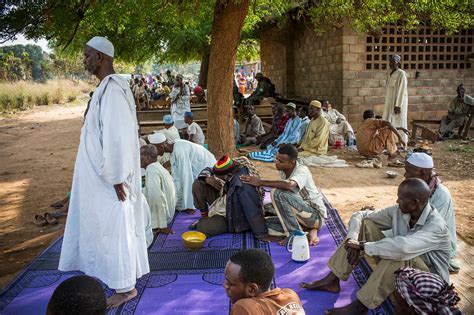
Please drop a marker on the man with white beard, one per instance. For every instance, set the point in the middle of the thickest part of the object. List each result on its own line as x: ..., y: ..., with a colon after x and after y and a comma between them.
x: 105, y: 232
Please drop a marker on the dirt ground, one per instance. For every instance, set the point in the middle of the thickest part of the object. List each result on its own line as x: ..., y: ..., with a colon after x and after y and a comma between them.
x: 38, y: 150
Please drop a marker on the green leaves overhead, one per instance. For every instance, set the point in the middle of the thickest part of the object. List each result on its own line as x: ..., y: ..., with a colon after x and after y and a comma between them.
x: 179, y: 30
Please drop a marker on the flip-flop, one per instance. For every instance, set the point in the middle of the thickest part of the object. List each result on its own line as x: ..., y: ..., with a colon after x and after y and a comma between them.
x: 57, y: 205
x: 59, y: 213
x: 50, y: 219
x: 39, y: 220
x: 396, y: 163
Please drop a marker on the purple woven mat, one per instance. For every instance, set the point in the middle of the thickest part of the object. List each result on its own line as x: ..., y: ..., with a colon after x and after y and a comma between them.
x: 190, y: 282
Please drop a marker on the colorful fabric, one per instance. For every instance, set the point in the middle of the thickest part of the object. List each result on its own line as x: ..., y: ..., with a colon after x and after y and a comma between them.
x: 281, y: 124
x: 291, y: 135
x: 425, y: 292
x: 224, y: 165
x: 433, y: 182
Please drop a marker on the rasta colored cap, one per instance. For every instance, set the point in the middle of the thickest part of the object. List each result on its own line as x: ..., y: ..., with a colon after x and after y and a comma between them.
x: 224, y: 166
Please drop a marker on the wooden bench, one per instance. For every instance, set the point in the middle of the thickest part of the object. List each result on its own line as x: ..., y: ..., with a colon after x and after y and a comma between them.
x: 426, y: 133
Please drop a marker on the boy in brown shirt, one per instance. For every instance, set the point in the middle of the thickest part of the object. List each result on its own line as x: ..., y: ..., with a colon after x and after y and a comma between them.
x: 248, y: 276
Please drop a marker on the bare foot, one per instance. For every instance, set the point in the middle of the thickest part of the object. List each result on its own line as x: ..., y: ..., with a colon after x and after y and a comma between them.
x: 190, y: 211
x: 119, y: 298
x: 165, y: 230
x: 330, y: 283
x: 355, y: 308
x: 270, y: 238
x: 282, y: 242
x: 313, y: 239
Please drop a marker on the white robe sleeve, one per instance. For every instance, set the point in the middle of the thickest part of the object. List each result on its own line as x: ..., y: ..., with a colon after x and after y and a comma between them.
x: 183, y: 179
x: 118, y: 135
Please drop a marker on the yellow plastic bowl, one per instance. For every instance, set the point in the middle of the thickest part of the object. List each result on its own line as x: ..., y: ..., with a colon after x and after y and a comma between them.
x: 193, y: 239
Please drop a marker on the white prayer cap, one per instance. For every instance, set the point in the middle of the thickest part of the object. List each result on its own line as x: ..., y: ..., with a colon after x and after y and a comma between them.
x: 421, y: 160
x: 102, y: 44
x: 156, y: 138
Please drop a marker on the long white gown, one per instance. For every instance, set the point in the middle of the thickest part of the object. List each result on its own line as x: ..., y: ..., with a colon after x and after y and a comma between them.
x: 160, y: 194
x: 187, y: 161
x: 397, y: 96
x: 180, y: 103
x: 105, y: 237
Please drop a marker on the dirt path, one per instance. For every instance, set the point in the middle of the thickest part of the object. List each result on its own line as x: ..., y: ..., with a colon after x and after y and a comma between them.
x: 38, y: 149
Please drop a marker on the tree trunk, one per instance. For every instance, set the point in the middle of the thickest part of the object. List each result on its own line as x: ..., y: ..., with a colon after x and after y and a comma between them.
x: 225, y: 34
x: 204, y: 69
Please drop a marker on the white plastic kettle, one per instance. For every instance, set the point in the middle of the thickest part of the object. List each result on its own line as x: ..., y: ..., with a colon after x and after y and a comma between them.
x: 300, y: 246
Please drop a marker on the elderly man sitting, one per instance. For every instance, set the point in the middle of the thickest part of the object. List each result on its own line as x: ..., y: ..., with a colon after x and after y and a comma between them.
x: 187, y: 161
x: 458, y: 113
x: 290, y: 135
x: 159, y: 190
x: 315, y: 140
x: 226, y: 203
x: 253, y: 127
x: 420, y: 239
x: 340, y: 127
x: 420, y: 165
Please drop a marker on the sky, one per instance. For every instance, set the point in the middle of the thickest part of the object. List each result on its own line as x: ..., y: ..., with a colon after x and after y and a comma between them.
x: 43, y: 43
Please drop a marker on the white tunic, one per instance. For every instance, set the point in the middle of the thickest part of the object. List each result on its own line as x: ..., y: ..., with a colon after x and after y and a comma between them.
x: 397, y: 96
x: 105, y: 237
x: 160, y: 195
x: 187, y: 161
x: 180, y: 104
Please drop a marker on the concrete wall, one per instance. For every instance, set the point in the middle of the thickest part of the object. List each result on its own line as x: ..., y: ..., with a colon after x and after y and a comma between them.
x: 333, y: 66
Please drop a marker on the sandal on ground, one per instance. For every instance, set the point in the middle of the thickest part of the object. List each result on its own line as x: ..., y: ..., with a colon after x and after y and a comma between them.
x: 39, y: 220
x: 57, y: 205
x: 377, y: 162
x: 366, y: 164
x: 396, y: 163
x: 50, y: 219
x: 59, y: 213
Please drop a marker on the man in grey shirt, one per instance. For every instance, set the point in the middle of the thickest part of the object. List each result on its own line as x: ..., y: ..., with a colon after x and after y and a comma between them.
x: 420, y: 240
x: 253, y: 128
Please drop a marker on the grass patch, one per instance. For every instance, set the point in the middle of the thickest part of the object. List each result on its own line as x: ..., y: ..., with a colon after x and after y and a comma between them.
x: 23, y: 95
x: 460, y: 148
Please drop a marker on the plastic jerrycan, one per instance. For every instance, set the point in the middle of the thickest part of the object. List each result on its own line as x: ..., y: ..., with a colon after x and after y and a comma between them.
x: 299, y: 246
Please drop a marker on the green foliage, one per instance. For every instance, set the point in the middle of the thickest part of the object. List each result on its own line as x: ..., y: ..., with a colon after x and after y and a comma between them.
x: 371, y: 15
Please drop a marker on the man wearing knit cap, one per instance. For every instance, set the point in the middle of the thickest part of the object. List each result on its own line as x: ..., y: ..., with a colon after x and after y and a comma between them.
x: 395, y: 109
x: 316, y: 138
x: 240, y: 207
x: 420, y: 165
x: 105, y: 232
x: 187, y: 161
x: 171, y: 133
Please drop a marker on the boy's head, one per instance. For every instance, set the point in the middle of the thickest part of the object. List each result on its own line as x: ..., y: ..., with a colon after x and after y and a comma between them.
x: 78, y: 295
x: 188, y: 117
x: 247, y: 274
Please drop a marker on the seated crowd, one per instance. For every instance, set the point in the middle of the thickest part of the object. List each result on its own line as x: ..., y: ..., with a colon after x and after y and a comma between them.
x: 416, y: 237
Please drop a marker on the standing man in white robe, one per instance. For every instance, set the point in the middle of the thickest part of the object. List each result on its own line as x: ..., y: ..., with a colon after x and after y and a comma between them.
x: 396, y: 99
x: 159, y: 190
x: 180, y: 96
x: 105, y: 232
x: 187, y: 161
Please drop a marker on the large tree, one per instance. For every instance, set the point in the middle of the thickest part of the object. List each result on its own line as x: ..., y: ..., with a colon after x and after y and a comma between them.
x: 182, y: 30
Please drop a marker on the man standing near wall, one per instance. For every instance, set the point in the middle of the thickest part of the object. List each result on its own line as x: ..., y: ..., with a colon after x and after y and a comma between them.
x: 396, y: 99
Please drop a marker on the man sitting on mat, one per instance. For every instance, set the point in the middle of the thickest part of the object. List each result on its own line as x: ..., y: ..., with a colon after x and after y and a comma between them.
x: 248, y: 277
x: 420, y: 165
x: 159, y: 190
x: 420, y: 240
x: 376, y: 135
x: 297, y: 202
x: 227, y: 204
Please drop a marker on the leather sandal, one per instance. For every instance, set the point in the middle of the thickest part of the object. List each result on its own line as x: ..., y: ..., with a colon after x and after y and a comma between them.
x: 50, y: 219
x: 39, y: 220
